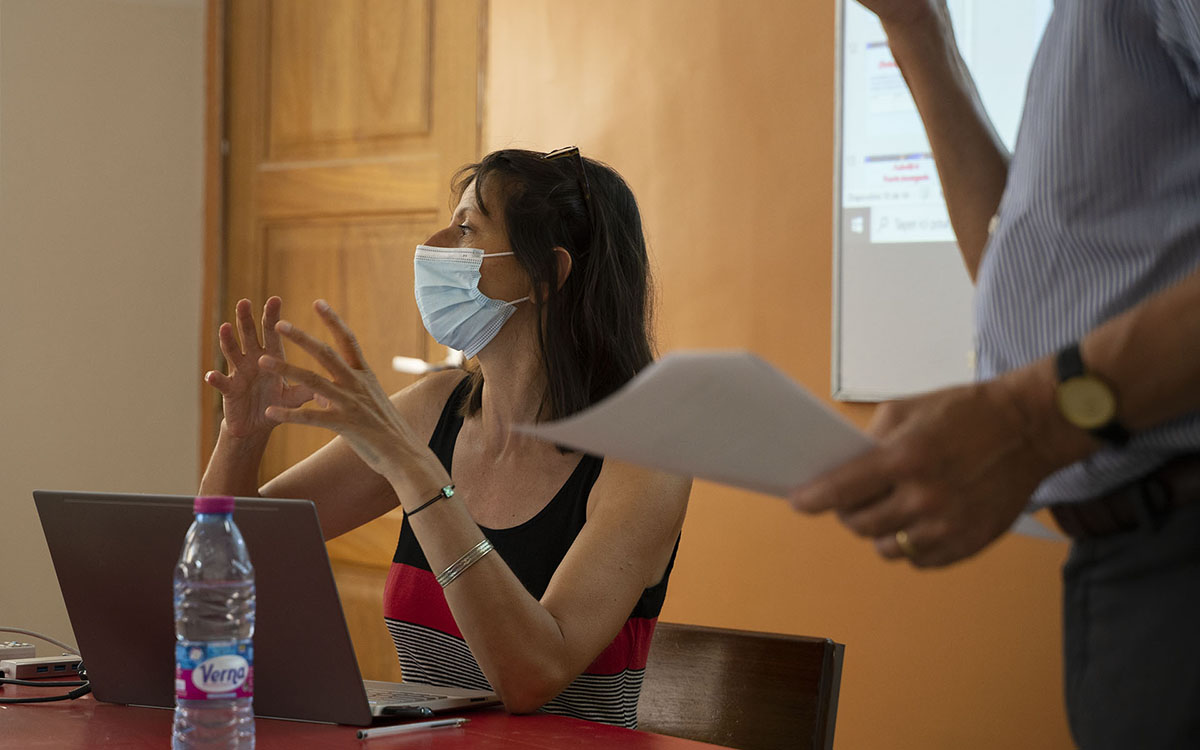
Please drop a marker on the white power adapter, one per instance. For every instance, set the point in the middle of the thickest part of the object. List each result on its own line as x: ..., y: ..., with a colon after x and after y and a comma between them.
x: 16, y: 650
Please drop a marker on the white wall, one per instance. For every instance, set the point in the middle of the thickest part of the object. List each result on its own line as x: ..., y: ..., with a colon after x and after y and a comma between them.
x: 101, y: 115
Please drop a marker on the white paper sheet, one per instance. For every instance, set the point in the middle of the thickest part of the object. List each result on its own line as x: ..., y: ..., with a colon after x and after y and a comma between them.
x: 726, y: 416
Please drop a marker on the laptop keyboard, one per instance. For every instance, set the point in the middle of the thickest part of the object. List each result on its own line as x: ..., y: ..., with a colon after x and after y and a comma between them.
x: 398, y: 694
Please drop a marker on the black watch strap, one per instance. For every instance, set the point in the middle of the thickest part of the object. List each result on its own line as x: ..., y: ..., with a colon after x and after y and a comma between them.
x: 1069, y: 364
x: 1113, y: 433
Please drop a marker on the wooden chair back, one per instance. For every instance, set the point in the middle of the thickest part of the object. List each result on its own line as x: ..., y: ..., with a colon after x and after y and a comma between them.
x: 741, y: 689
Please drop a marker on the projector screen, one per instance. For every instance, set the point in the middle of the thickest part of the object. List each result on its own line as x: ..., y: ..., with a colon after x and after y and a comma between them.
x: 902, y: 300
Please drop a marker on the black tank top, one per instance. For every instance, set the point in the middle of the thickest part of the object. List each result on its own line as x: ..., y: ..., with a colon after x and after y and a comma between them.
x: 428, y: 642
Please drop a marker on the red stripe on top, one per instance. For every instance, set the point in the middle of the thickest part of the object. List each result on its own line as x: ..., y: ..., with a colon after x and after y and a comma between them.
x: 414, y: 595
x: 628, y: 650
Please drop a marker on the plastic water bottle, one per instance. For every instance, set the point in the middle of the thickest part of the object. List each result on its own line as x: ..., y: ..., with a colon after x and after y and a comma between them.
x: 214, y: 625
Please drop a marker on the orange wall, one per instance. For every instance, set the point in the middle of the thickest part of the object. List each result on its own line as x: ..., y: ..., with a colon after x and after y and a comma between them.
x: 720, y: 115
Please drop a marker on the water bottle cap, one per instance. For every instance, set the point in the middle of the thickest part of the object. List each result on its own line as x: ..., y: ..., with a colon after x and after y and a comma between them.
x: 213, y: 505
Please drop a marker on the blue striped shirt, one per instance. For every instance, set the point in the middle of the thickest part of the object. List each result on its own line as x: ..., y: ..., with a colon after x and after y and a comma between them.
x: 1102, y: 205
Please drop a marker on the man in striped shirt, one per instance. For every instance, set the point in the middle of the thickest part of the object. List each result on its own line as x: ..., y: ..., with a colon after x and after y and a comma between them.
x: 1084, y: 246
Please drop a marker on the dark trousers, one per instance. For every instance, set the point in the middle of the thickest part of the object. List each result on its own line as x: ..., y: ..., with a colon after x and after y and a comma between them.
x: 1132, y: 636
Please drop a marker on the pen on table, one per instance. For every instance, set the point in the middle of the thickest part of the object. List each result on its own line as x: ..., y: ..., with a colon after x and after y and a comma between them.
x: 366, y: 734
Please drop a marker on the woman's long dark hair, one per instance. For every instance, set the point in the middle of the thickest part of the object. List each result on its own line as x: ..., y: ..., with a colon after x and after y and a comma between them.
x: 595, y: 334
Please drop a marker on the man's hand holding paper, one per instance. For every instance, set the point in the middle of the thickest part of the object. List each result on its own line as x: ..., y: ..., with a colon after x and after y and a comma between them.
x: 951, y: 471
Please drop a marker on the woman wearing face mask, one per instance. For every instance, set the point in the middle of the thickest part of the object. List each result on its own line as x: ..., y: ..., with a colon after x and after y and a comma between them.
x: 533, y: 569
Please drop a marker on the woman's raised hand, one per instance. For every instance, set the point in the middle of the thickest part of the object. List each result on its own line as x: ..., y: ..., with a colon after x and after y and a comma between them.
x: 354, y: 405
x: 248, y: 389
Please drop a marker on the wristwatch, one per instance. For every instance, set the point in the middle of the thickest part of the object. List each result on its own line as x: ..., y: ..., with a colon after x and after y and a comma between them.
x: 1085, y: 400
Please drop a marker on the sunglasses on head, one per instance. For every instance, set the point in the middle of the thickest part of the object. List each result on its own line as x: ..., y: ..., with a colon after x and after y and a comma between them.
x: 572, y: 152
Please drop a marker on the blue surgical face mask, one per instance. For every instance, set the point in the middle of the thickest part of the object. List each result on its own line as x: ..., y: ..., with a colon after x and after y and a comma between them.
x: 454, y: 311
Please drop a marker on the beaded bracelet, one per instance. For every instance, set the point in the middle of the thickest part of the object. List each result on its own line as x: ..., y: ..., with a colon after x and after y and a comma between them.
x: 446, y: 492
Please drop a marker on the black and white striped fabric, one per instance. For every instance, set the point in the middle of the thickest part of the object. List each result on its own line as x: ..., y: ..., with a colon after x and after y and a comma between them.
x: 430, y: 656
x: 1102, y: 205
x: 435, y: 658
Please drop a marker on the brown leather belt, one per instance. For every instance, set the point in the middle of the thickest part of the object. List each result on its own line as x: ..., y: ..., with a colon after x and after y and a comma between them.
x: 1142, y: 503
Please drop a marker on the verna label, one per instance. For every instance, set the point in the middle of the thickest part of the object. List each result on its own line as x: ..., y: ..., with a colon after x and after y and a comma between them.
x: 221, y: 674
x: 205, y: 671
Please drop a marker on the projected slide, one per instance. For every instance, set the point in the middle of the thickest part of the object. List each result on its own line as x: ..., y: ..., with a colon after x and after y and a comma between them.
x: 903, y: 298
x: 886, y: 165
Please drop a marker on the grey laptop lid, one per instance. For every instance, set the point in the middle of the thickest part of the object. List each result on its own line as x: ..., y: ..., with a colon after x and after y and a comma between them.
x: 115, y: 555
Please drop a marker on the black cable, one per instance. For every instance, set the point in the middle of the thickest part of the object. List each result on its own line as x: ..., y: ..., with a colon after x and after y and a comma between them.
x: 84, y: 687
x: 76, y: 693
x: 36, y: 683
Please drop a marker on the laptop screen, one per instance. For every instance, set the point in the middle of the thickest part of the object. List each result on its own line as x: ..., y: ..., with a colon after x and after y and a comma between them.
x: 115, y: 556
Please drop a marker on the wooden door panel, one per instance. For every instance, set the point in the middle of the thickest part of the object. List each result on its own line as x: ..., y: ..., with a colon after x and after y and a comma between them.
x: 364, y: 269
x: 360, y: 187
x: 347, y: 77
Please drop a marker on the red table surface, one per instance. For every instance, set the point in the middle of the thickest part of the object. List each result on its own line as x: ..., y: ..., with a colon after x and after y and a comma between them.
x: 87, y: 723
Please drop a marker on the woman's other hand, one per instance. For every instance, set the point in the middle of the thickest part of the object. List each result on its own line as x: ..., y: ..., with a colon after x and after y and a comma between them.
x: 248, y: 389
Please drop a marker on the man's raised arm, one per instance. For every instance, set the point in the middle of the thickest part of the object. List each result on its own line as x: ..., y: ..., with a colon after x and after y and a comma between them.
x: 971, y: 161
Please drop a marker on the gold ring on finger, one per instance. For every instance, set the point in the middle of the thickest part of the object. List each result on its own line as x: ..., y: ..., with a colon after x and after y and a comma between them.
x: 905, y: 544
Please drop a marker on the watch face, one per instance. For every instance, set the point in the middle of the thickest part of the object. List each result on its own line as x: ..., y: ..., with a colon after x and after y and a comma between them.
x: 1086, y: 402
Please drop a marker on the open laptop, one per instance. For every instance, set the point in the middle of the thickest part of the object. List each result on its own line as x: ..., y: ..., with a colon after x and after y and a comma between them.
x: 115, y: 557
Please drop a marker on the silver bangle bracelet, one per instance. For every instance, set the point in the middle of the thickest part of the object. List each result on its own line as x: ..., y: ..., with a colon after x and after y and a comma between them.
x: 459, y: 566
